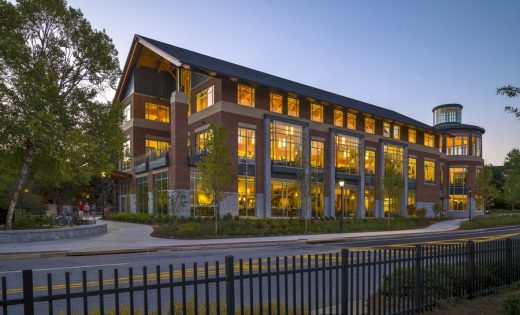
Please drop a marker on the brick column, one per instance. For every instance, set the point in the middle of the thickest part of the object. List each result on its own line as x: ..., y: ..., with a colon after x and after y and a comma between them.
x: 332, y: 178
x: 404, y: 203
x: 361, y: 189
x: 306, y: 196
x: 380, y: 211
x: 267, y: 171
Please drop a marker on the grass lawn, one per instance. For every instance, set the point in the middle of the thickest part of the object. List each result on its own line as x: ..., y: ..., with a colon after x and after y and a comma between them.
x: 483, y: 222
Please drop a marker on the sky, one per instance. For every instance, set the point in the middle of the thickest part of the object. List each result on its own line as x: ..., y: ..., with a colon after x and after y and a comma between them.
x: 407, y: 56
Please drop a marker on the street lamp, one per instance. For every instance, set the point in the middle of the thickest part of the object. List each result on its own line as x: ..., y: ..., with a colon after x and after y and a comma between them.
x: 341, y: 184
x: 103, y: 175
x: 469, y: 203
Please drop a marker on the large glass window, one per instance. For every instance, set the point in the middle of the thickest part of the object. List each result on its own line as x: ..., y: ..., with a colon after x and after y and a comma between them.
x: 201, y: 139
x: 276, y: 103
x: 141, y: 194
x: 338, y: 117
x: 429, y: 172
x: 246, y: 196
x: 160, y: 192
x: 127, y: 155
x: 429, y: 140
x: 412, y: 135
x: 285, y: 198
x: 293, y: 106
x: 394, y: 156
x: 458, y: 202
x: 477, y: 146
x: 157, y: 112
x: 370, y: 162
x: 370, y: 125
x: 317, y: 153
x: 153, y: 145
x: 386, y: 129
x: 349, y: 200
x: 246, y: 143
x: 370, y: 201
x: 205, y: 98
x: 351, y: 121
x: 127, y: 113
x: 286, y: 144
x: 397, y: 132
x: 458, y: 176
x: 347, y: 154
x: 124, y: 196
x: 412, y: 168
x: 317, y: 193
x: 412, y: 198
x: 317, y: 112
x: 391, y: 204
x: 457, y: 145
x: 246, y: 95
x: 201, y: 200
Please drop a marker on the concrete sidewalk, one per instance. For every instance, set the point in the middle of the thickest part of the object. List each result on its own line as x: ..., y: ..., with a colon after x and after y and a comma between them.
x: 130, y: 238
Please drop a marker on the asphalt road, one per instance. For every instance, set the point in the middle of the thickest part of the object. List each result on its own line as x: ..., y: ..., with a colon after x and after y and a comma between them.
x: 56, y: 267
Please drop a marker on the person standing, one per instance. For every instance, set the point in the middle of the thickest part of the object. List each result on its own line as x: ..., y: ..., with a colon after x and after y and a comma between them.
x: 81, y: 208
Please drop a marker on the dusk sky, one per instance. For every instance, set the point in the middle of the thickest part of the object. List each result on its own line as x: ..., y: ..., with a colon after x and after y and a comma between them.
x: 408, y: 56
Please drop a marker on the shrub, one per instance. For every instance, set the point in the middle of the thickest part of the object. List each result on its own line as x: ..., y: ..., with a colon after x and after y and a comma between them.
x: 438, y: 209
x: 33, y: 222
x: 411, y: 210
x: 512, y: 304
x: 421, y: 212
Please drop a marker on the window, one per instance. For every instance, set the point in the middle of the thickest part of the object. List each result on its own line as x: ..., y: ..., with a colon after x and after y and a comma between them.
x: 370, y: 162
x: 141, y: 194
x: 412, y: 135
x: 127, y: 155
x: 351, y: 121
x: 412, y: 168
x: 124, y: 197
x: 286, y: 144
x: 391, y: 204
x: 429, y: 140
x: 285, y: 198
x: 276, y: 103
x: 317, y: 193
x: 412, y: 198
x: 317, y: 112
x: 246, y: 143
x: 394, y: 157
x: 293, y: 106
x: 246, y: 95
x: 201, y: 200
x: 201, y: 139
x: 205, y: 98
x: 160, y: 192
x: 457, y: 145
x: 347, y: 154
x: 317, y: 153
x: 350, y: 206
x: 397, y: 132
x: 338, y: 117
x: 477, y: 146
x: 386, y: 129
x: 370, y: 125
x: 152, y: 145
x: 246, y: 196
x: 458, y: 202
x: 458, y: 176
x: 127, y: 113
x: 157, y: 112
x: 440, y: 144
x: 370, y: 202
x: 429, y: 172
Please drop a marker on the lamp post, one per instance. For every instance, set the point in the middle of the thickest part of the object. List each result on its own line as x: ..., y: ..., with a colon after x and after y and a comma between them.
x: 341, y: 184
x: 103, y: 175
x: 469, y: 203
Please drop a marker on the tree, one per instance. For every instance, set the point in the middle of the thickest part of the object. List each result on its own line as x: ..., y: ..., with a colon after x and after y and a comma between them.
x: 485, y: 188
x: 54, y: 70
x: 216, y: 167
x: 512, y: 189
x: 510, y: 91
x: 393, y: 186
x: 512, y: 161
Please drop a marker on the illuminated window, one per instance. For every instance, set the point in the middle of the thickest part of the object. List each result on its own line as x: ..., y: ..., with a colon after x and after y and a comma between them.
x: 347, y: 154
x: 350, y: 199
x: 338, y: 117
x: 458, y: 176
x: 201, y: 139
x: 370, y: 162
x: 152, y: 146
x: 397, y: 132
x: 246, y: 143
x: 412, y: 168
x: 457, y: 145
x: 412, y: 135
x: 370, y: 125
x: 201, y: 199
x: 394, y: 156
x: 429, y: 140
x: 351, y: 121
x: 317, y: 112
x: 276, y: 103
x: 317, y: 194
x: 157, y: 112
x: 429, y: 171
x: 246, y: 95
x: 205, y: 98
x: 458, y: 202
x: 285, y: 198
x: 286, y: 144
x: 160, y: 192
x: 370, y: 202
x: 386, y: 129
x: 246, y: 196
x: 412, y: 198
x: 127, y: 113
x: 317, y: 153
x: 126, y: 155
x: 477, y: 146
x: 440, y: 144
x: 141, y: 194
x: 293, y: 106
x: 391, y: 204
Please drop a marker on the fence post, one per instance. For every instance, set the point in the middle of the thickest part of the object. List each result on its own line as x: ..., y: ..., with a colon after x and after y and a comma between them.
x: 470, y: 261
x: 509, y: 260
x: 344, y: 281
x: 230, y: 285
x: 418, y: 279
x: 28, y: 297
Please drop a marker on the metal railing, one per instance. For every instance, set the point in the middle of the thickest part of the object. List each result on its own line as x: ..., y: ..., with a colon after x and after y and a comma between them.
x: 372, y: 281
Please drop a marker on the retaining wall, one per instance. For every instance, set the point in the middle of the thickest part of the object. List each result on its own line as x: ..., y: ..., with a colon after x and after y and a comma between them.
x: 38, y: 235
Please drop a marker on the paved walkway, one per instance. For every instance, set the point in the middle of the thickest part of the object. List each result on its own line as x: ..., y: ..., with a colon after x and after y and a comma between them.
x: 127, y: 237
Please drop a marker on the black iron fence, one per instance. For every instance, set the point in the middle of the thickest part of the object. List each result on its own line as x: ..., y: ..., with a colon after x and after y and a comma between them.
x: 371, y: 281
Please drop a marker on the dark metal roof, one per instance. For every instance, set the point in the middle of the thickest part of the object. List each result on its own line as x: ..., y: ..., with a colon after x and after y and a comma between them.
x: 456, y: 126
x: 222, y: 67
x: 447, y: 105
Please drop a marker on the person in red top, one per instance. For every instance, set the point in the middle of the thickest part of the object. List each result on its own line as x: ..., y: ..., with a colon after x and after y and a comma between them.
x: 81, y: 207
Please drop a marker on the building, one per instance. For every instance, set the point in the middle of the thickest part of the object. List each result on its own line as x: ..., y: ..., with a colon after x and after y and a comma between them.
x: 291, y: 144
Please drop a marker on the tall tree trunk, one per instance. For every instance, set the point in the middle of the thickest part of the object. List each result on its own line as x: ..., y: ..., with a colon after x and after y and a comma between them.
x: 29, y: 154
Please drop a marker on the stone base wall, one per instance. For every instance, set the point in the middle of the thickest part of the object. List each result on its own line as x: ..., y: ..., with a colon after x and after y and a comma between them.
x: 24, y: 236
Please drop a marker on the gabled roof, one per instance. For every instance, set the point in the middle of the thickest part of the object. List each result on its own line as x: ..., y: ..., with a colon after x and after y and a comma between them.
x: 178, y: 55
